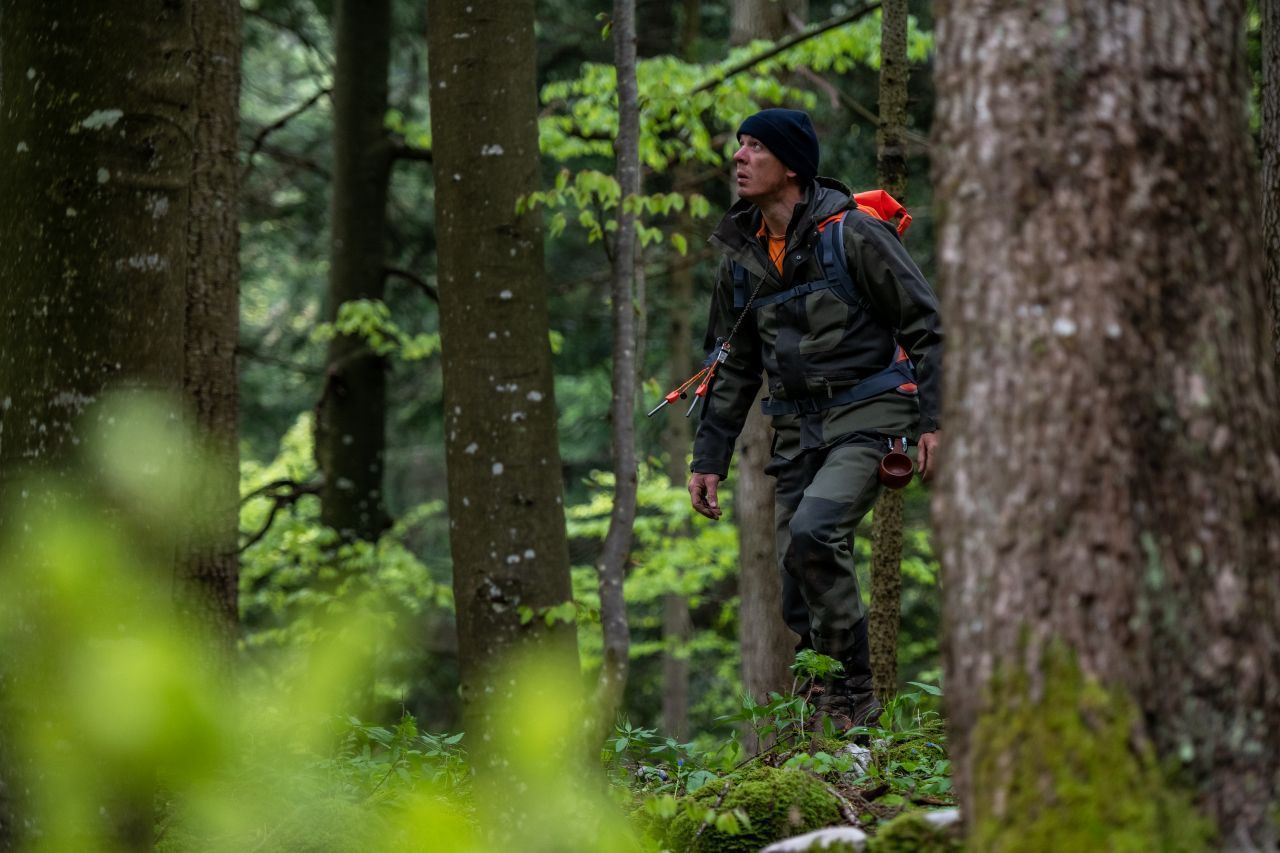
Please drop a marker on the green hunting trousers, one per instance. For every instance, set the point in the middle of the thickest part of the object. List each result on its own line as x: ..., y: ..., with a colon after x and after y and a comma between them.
x: 821, y: 496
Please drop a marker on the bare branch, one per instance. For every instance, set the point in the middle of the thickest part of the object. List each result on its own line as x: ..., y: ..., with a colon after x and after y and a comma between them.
x: 401, y: 150
x: 786, y: 44
x: 423, y: 285
x: 254, y: 355
x: 303, y: 39
x: 283, y: 493
x: 261, y: 137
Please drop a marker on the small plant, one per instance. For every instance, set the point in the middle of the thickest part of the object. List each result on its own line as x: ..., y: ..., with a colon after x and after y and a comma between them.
x: 378, y: 763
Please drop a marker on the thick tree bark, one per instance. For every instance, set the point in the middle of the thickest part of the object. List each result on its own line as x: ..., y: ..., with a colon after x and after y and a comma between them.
x: 1107, y: 508
x: 351, y: 414
x: 1271, y: 158
x: 208, y: 593
x: 617, y: 544
x: 886, y: 526
x: 766, y: 644
x: 506, y: 511
x: 97, y: 132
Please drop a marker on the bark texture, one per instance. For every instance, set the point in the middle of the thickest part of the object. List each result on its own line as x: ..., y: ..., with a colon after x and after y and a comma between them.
x: 1271, y: 158
x: 886, y: 526
x: 677, y: 434
x: 751, y: 20
x: 1112, y: 414
x: 766, y: 644
x: 506, y: 511
x: 617, y: 544
x: 208, y: 593
x: 352, y: 412
x: 97, y: 133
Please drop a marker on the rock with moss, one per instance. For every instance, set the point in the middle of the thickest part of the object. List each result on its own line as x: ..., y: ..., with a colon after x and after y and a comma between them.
x: 778, y: 804
x: 915, y: 833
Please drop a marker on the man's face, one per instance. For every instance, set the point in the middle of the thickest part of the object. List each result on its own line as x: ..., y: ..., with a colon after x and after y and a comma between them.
x: 759, y: 174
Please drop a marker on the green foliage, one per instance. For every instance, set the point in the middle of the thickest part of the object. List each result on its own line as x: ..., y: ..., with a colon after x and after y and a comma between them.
x: 814, y: 665
x: 671, y: 553
x: 297, y: 578
x: 370, y: 319
x: 380, y: 764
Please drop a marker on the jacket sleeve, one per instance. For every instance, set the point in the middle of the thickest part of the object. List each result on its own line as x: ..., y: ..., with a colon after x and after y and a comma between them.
x: 737, y: 380
x: 903, y: 301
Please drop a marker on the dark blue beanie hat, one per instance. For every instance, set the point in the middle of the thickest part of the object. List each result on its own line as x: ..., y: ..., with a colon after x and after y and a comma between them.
x: 789, y: 135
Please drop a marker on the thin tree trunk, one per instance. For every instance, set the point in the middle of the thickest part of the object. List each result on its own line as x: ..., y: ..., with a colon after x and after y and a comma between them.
x: 1271, y: 159
x: 208, y: 594
x: 766, y: 644
x: 97, y: 134
x: 617, y: 544
x: 351, y: 414
x: 886, y: 526
x: 506, y: 510
x: 677, y: 625
x: 1107, y: 507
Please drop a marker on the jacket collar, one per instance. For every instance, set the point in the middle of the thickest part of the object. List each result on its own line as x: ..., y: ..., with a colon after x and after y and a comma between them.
x: 735, y: 235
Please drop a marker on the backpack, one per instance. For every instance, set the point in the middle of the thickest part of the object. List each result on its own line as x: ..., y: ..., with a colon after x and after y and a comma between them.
x: 877, y: 204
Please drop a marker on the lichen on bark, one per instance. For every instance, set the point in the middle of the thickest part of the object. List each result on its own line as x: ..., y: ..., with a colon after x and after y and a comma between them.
x: 1057, y: 766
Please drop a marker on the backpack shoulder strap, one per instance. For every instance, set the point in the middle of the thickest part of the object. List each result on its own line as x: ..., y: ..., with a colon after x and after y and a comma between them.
x: 741, y: 284
x: 835, y: 266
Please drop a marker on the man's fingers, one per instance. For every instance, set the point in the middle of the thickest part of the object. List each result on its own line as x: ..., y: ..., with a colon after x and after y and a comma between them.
x: 702, y: 495
x: 922, y: 457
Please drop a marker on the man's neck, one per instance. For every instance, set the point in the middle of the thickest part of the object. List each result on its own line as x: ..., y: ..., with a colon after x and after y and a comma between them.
x: 777, y: 210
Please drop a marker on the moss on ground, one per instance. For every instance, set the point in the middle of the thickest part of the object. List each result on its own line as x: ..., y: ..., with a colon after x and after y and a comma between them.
x: 1059, y: 771
x: 911, y: 833
x: 779, y: 803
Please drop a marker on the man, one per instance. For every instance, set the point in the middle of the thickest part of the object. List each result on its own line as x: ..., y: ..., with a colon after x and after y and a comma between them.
x: 816, y: 344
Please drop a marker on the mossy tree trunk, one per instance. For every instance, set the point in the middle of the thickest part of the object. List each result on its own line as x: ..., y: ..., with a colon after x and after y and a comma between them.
x: 98, y: 137
x: 1111, y: 481
x: 1271, y: 157
x: 886, y: 527
x: 766, y: 644
x: 351, y: 415
x: 208, y: 594
x: 506, y: 511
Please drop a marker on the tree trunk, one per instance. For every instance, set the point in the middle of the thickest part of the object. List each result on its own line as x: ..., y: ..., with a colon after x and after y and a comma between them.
x: 208, y: 594
x: 98, y: 129
x: 351, y: 414
x: 757, y: 19
x: 886, y: 525
x: 506, y: 511
x: 767, y: 645
x: 677, y: 626
x: 617, y: 543
x: 1107, y: 508
x: 1271, y: 159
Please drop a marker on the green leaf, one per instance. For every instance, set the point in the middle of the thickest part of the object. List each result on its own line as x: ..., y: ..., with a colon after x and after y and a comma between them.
x: 927, y: 688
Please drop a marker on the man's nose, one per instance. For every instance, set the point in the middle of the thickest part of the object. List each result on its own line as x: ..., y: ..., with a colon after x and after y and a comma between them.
x: 740, y: 156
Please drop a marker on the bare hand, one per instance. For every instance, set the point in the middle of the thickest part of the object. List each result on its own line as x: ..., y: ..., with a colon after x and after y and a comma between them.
x: 702, y: 493
x: 927, y: 455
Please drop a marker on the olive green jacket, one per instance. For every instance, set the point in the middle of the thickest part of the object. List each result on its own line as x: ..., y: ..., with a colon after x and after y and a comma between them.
x: 814, y: 345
